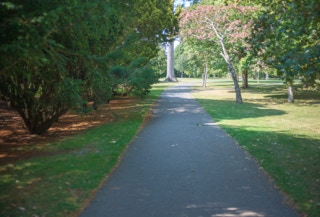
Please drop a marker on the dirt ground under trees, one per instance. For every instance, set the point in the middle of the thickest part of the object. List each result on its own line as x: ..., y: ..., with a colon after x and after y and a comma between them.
x: 16, y: 143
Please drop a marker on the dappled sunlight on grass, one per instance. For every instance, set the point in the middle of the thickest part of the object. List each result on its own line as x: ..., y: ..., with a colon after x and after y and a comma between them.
x: 285, y: 138
x: 57, y: 177
x: 234, y: 111
x: 292, y: 160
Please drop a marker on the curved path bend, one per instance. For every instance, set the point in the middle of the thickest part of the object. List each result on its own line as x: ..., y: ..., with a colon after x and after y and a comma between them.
x: 182, y: 164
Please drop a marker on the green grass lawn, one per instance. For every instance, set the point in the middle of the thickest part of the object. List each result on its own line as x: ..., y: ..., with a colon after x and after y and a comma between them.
x: 283, y: 137
x: 60, y: 183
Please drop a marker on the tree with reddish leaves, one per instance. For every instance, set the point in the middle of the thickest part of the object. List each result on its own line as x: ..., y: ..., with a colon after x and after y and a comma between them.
x: 227, y: 25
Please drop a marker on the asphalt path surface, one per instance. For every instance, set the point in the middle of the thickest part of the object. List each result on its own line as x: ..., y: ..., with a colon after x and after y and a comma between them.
x: 182, y: 164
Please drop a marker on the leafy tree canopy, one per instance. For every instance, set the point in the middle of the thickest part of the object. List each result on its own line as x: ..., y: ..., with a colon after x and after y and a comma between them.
x: 286, y: 35
x: 58, y: 54
x: 227, y: 25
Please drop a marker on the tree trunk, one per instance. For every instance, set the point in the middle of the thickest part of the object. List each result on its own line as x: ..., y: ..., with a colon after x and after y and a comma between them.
x: 245, y: 79
x: 235, y: 82
x: 231, y: 69
x: 204, y: 79
x: 290, y: 90
x: 290, y: 94
x: 39, y: 122
x: 205, y: 76
x: 170, y: 63
x: 232, y: 72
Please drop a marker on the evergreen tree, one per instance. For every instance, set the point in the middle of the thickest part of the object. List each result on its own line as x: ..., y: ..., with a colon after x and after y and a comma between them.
x: 57, y: 55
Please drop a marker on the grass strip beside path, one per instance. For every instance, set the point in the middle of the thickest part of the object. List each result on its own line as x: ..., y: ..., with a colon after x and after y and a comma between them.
x: 60, y: 183
x: 284, y: 138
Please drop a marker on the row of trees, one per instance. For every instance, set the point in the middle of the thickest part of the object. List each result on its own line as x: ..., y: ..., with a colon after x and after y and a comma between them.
x: 252, y: 35
x: 56, y: 55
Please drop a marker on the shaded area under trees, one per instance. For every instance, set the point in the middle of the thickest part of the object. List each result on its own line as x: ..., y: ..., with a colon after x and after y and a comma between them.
x: 56, y: 56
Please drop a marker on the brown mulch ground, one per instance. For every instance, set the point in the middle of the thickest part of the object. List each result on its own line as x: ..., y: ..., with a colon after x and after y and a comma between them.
x: 16, y: 143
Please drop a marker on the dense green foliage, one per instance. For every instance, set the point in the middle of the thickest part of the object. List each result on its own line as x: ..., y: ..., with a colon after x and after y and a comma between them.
x: 192, y: 56
x: 158, y: 63
x: 286, y: 37
x: 57, y: 55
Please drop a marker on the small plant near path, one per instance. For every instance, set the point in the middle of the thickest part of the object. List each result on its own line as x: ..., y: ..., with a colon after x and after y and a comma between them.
x: 283, y: 137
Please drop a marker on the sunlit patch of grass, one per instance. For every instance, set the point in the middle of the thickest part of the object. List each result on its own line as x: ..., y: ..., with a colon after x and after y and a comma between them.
x: 283, y: 137
x: 60, y: 183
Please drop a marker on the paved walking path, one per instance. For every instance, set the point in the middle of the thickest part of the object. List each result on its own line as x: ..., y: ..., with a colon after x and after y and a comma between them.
x: 182, y: 165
